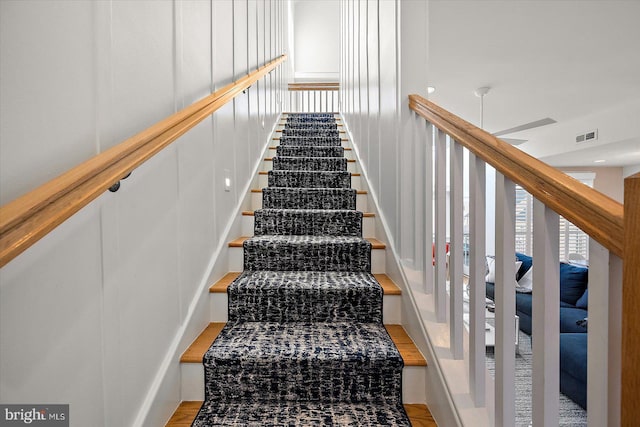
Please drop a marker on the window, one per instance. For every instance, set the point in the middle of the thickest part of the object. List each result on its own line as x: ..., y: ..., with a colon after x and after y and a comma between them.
x: 574, y: 243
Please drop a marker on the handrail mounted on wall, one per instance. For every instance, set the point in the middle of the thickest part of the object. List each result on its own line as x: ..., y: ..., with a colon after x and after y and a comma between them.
x: 30, y: 217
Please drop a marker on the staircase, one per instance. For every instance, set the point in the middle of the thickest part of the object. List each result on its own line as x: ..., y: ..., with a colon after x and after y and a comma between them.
x: 302, y: 339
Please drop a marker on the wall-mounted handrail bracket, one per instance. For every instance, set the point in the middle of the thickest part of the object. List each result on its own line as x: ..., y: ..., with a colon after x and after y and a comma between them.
x: 115, y: 187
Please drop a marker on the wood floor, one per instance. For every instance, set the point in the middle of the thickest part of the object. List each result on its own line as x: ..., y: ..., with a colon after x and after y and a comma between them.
x: 419, y: 415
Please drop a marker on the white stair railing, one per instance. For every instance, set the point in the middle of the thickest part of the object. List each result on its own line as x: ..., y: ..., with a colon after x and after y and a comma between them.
x: 555, y: 194
x: 313, y: 97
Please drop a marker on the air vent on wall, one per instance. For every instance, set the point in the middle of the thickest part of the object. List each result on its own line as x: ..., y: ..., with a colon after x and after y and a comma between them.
x: 592, y: 135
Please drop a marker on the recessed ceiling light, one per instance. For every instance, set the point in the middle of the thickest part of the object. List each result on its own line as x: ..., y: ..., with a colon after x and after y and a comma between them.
x: 599, y: 161
x: 431, y: 89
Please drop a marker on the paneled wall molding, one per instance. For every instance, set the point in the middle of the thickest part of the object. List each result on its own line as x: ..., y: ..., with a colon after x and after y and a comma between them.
x: 106, y: 302
x: 382, y: 60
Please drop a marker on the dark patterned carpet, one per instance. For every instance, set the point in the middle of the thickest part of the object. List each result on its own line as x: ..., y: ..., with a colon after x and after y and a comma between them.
x: 305, y: 344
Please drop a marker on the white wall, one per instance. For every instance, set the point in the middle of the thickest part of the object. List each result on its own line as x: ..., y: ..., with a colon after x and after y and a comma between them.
x: 383, y: 59
x: 97, y: 313
x: 316, y: 39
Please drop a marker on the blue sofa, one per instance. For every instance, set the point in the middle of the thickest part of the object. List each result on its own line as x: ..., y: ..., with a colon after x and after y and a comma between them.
x: 573, y: 338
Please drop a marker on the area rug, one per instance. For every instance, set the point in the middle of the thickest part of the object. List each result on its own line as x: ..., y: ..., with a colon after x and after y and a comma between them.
x: 571, y: 415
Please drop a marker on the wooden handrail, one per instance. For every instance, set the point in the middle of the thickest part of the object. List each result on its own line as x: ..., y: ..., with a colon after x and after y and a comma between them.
x: 596, y: 214
x: 30, y: 217
x: 314, y: 86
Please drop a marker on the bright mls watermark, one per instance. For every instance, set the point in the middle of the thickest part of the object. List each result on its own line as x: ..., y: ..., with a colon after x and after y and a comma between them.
x: 34, y: 415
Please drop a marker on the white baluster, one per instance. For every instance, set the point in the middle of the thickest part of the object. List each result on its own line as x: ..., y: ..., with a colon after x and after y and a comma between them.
x: 545, y: 316
x: 456, y: 218
x: 477, y: 287
x: 428, y: 209
x: 419, y: 192
x: 441, y: 226
x: 505, y: 299
x: 604, y: 337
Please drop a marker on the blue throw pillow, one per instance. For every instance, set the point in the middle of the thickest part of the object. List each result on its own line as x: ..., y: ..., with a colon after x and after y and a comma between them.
x: 527, y: 262
x: 583, y: 302
x: 573, y: 282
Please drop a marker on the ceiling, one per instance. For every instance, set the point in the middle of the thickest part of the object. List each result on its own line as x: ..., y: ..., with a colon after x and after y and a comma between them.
x: 576, y: 61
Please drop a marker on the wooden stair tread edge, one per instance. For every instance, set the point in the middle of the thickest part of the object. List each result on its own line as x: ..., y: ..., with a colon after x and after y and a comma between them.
x: 407, y: 348
x: 375, y: 243
x: 185, y: 413
x: 195, y: 352
x: 418, y: 413
x: 237, y: 243
x: 388, y: 286
x: 221, y: 285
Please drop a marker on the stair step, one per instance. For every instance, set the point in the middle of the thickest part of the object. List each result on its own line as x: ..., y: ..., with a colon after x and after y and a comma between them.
x: 378, y: 256
x: 388, y: 286
x: 309, y: 163
x: 375, y: 243
x: 347, y: 362
x: 275, y: 147
x: 414, y: 371
x: 309, y: 179
x: 330, y: 133
x: 418, y: 414
x: 307, y: 198
x: 391, y: 299
x: 408, y: 350
x: 305, y: 296
x: 311, y: 141
x: 307, y: 253
x: 308, y: 222
x: 351, y: 180
x: 310, y: 125
x: 270, y: 159
x: 306, y: 151
x: 267, y: 165
x: 368, y: 224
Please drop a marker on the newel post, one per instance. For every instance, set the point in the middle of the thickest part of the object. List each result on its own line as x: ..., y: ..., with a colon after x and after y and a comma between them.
x: 630, y: 410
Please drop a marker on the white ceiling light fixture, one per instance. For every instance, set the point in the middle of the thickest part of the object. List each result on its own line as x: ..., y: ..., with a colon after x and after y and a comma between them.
x: 430, y: 89
x: 481, y: 92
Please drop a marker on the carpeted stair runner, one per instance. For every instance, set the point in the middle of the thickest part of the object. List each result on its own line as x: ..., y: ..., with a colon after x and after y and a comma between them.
x: 308, y: 198
x: 310, y: 125
x: 305, y: 296
x: 311, y: 132
x: 306, y: 151
x: 310, y: 163
x: 309, y: 179
x: 308, y: 222
x: 305, y: 344
x: 311, y: 141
